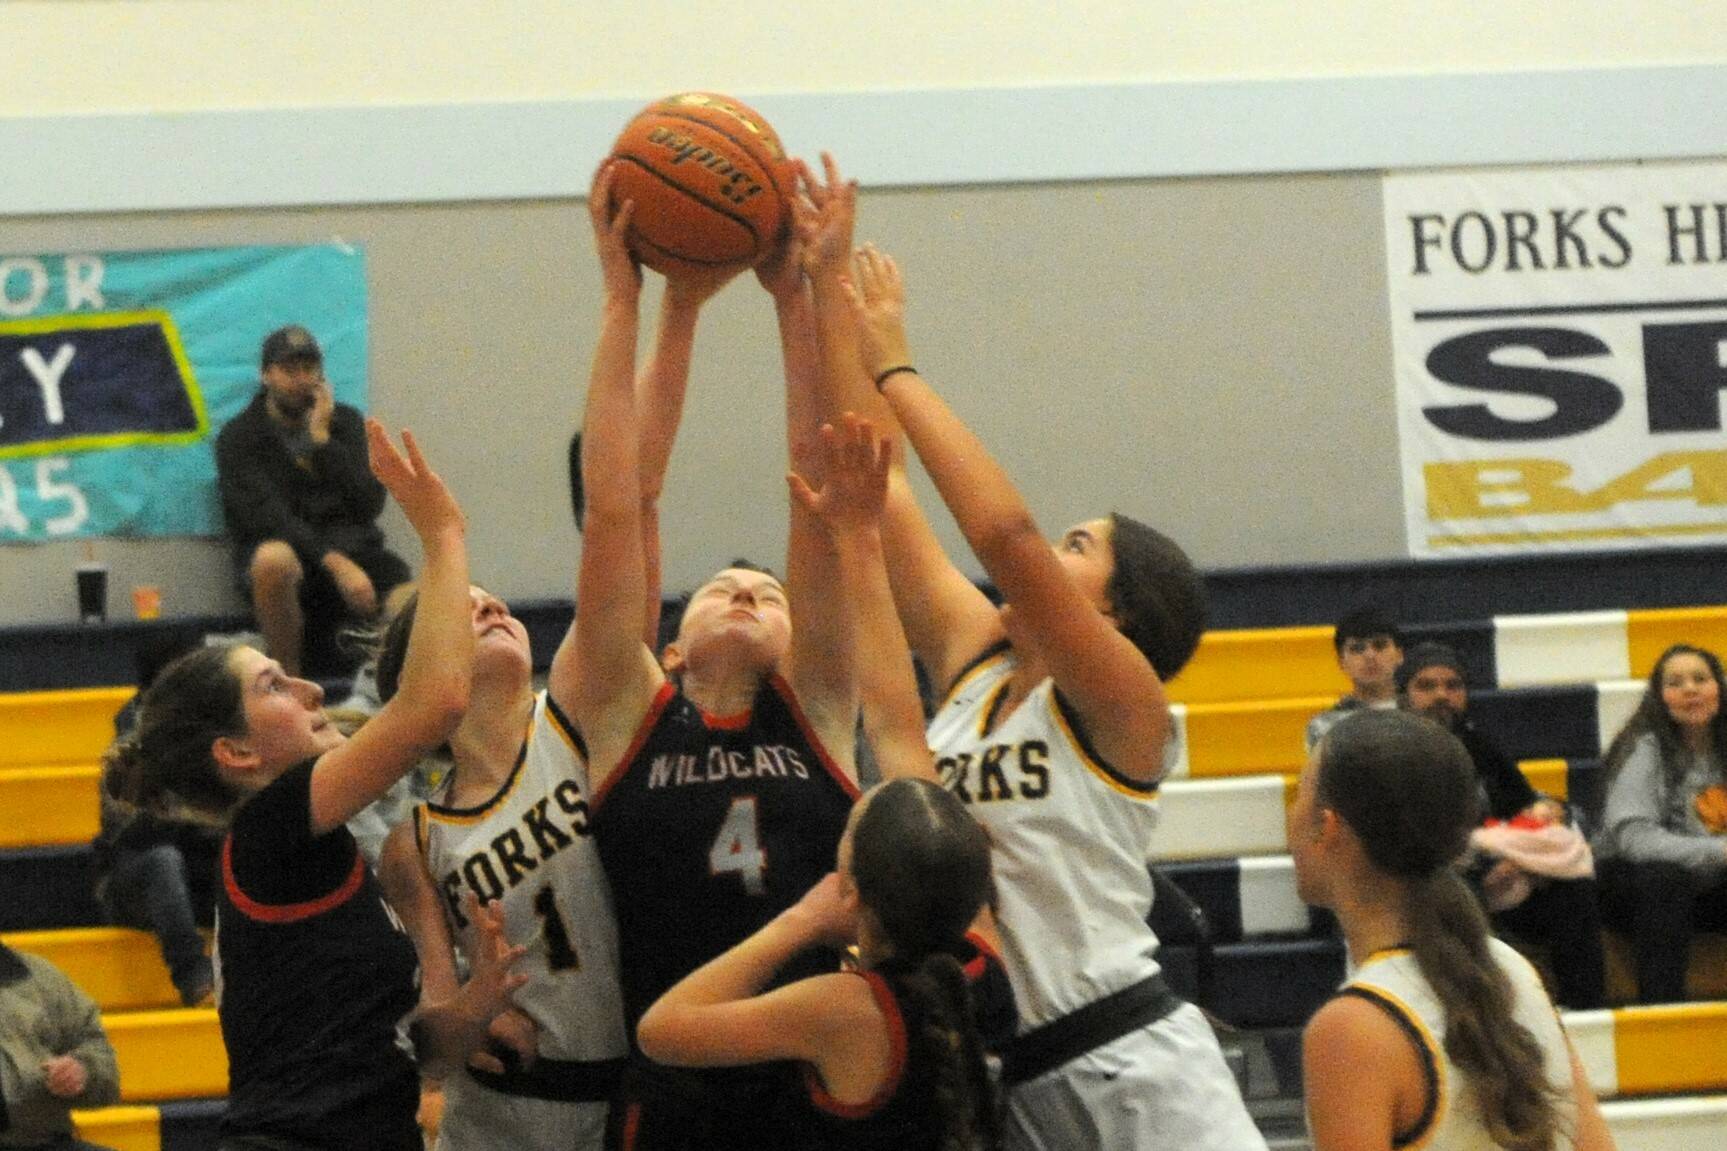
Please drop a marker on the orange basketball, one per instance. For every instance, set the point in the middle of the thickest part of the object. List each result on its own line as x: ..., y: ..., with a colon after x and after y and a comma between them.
x: 710, y: 182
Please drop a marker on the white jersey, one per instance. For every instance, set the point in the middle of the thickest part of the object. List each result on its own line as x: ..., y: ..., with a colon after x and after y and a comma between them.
x: 1069, y: 835
x: 1393, y: 981
x: 530, y: 846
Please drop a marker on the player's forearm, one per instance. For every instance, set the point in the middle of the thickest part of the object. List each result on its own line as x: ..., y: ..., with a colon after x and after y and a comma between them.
x: 660, y: 390
x: 610, y: 438
x: 887, y: 683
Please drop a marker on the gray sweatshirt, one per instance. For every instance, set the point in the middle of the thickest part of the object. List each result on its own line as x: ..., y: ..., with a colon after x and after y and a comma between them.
x: 43, y: 1015
x: 1646, y: 821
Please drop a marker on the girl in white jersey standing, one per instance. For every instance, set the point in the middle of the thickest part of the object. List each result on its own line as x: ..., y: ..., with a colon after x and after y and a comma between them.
x: 1052, y: 731
x: 1442, y: 1038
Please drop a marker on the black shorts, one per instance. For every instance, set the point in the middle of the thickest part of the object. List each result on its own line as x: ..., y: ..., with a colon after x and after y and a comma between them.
x: 383, y: 567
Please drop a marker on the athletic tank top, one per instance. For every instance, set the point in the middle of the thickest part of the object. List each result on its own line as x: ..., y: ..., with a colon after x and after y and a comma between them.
x: 316, y: 981
x: 1069, y: 835
x: 1392, y: 981
x: 904, y: 1115
x: 712, y: 826
x: 531, y: 846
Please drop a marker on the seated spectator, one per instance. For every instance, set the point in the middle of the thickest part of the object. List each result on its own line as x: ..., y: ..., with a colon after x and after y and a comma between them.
x: 157, y: 874
x: 1369, y: 650
x: 1539, y: 887
x: 1663, y: 838
x: 300, y: 502
x: 54, y: 1055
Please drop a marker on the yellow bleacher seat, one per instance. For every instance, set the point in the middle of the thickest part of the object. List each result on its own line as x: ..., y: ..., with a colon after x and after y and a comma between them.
x: 49, y: 805
x: 1548, y: 776
x: 121, y: 969
x: 48, y: 728
x: 121, y: 1128
x: 1651, y: 632
x: 169, y: 1054
x: 1671, y: 1050
x: 1263, y: 663
x: 1266, y: 736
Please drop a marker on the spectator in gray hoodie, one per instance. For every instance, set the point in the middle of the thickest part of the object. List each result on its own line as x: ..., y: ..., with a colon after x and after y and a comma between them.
x: 54, y: 1056
x: 1661, y: 853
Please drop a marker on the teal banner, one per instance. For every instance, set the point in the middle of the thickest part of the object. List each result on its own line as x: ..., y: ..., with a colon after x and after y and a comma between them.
x: 117, y: 370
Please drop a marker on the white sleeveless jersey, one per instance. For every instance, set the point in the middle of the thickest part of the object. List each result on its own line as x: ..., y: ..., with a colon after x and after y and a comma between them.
x: 530, y: 846
x: 1393, y: 981
x: 1070, y: 836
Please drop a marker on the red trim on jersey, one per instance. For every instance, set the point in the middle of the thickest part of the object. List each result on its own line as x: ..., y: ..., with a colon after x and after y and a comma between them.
x: 287, y: 912
x: 784, y: 689
x: 735, y: 722
x: 975, y: 968
x: 889, y: 1007
x: 662, y: 697
x: 632, y: 1126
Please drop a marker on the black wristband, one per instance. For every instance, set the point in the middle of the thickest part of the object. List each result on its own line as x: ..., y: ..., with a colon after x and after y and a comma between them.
x: 882, y: 377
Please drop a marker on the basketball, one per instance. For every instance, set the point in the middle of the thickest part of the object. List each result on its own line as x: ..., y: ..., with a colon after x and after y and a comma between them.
x: 709, y: 179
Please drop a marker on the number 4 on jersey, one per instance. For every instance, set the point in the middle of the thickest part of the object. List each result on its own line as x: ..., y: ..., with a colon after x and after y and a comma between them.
x: 738, y: 847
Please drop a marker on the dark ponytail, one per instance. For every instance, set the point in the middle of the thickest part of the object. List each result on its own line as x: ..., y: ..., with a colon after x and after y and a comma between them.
x: 163, y: 765
x: 949, y: 1042
x: 922, y: 868
x: 1406, y: 787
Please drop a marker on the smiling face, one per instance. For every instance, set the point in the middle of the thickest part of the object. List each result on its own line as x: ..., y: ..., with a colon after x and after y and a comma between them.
x: 739, y: 616
x: 285, y: 720
x: 1690, y: 691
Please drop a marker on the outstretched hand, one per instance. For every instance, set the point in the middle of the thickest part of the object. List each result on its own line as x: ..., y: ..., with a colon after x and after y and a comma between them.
x: 824, y: 226
x: 620, y: 272
x: 492, y: 979
x: 412, y: 483
x: 856, y: 460
x: 877, y: 298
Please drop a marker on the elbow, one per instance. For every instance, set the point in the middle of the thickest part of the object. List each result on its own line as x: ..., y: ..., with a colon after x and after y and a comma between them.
x: 1007, y: 536
x: 663, y: 1037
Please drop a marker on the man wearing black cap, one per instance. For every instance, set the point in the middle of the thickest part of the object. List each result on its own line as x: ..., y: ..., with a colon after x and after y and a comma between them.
x: 1562, y: 913
x: 300, y: 499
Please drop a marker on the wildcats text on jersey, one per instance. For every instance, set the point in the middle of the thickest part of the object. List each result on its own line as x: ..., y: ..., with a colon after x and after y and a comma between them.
x: 984, y: 777
x: 722, y: 763
x: 509, y: 859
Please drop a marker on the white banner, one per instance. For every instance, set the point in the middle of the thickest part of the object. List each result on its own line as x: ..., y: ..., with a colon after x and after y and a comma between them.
x: 1561, y: 356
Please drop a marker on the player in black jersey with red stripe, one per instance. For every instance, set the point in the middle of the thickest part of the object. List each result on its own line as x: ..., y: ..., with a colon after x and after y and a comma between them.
x: 317, y: 985
x: 723, y: 777
x: 894, y: 1060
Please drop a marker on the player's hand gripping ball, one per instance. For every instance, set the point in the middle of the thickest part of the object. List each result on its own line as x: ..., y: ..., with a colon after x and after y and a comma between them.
x: 710, y: 181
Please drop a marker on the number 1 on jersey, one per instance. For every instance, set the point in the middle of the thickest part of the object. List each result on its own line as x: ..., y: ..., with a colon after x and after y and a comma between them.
x: 560, y: 952
x: 738, y: 847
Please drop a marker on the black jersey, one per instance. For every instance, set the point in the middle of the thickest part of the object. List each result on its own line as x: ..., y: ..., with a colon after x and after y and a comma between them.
x: 904, y: 1115
x: 710, y: 827
x: 316, y: 980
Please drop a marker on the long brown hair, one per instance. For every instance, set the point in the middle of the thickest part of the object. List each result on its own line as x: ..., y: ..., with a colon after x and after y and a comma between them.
x: 164, y: 764
x: 1406, y: 787
x: 922, y: 867
x: 1653, y: 718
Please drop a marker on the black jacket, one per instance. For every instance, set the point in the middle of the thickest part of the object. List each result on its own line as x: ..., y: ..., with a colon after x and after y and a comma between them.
x: 327, y: 500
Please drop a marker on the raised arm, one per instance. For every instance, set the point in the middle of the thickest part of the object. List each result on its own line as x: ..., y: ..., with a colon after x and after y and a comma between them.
x: 823, y: 664
x: 947, y: 620
x: 849, y: 506
x: 1099, y: 671
x: 717, y: 1016
x: 660, y: 389
x: 438, y: 669
x: 602, y: 669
